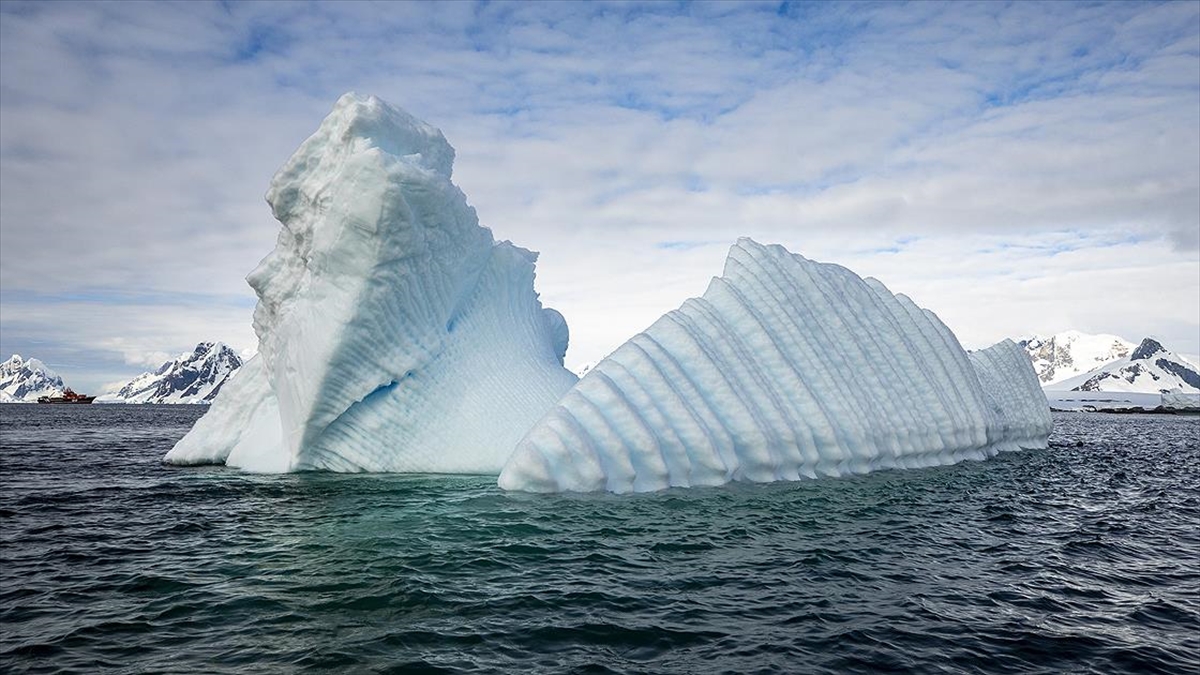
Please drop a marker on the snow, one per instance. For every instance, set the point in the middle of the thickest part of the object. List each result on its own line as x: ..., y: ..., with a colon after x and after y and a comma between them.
x: 394, y: 333
x: 784, y: 369
x: 1070, y: 353
x: 1148, y: 369
x: 23, y: 381
x: 195, y: 376
x: 240, y: 429
x: 1091, y: 400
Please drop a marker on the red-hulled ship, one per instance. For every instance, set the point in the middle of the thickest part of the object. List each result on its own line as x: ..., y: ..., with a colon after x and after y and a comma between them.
x: 68, y: 396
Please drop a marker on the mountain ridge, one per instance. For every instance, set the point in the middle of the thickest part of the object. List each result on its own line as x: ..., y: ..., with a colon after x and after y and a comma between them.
x: 1071, y: 353
x: 194, y: 377
x: 24, y: 380
x: 1149, y: 368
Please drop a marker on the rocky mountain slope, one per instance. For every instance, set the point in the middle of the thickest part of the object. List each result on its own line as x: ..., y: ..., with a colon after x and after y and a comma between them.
x: 23, y: 381
x: 192, y: 377
x: 1149, y: 368
x: 1071, y: 353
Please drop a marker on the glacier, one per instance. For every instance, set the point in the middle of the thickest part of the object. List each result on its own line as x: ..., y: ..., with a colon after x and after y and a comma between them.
x: 784, y: 369
x: 394, y: 332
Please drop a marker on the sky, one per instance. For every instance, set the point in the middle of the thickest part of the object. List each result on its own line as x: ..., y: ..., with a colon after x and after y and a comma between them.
x: 1017, y: 168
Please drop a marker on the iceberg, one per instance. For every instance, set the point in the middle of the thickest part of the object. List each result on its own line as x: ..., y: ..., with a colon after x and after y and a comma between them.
x: 395, y: 334
x: 784, y: 369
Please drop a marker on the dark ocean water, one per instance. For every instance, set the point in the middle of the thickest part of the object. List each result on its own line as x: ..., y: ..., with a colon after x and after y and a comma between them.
x: 1084, y: 558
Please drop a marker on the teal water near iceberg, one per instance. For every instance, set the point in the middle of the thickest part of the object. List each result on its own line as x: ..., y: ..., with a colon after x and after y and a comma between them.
x: 1081, y: 558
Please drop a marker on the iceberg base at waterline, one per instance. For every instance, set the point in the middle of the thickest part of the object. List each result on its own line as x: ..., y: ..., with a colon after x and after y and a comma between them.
x: 396, y: 335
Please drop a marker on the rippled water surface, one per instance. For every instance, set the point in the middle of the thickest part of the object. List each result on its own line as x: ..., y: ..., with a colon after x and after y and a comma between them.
x: 1082, y: 558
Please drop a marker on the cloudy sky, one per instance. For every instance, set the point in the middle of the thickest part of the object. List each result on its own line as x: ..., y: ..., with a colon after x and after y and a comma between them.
x: 1017, y: 168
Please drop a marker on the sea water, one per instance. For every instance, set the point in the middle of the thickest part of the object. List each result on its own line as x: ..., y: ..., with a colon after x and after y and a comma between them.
x: 1082, y: 558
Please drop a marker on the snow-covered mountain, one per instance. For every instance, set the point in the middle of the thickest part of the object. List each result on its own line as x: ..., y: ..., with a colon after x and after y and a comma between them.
x: 192, y: 377
x: 1068, y: 354
x: 1150, y: 368
x: 23, y: 381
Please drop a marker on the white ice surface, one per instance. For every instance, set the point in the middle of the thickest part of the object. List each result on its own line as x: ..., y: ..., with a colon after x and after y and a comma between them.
x: 241, y: 428
x: 1180, y: 400
x: 1085, y: 400
x: 784, y: 369
x: 394, y: 333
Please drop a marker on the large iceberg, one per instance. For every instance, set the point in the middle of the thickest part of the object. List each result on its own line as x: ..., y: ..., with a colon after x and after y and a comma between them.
x: 785, y: 368
x: 394, y: 333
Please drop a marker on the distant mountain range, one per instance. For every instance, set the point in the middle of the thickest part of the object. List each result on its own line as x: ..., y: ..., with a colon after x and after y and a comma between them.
x: 1067, y: 361
x: 192, y: 377
x: 1074, y: 361
x: 24, y: 380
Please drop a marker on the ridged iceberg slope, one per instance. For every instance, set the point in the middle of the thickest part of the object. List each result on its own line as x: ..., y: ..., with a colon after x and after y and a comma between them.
x: 785, y: 368
x: 394, y: 333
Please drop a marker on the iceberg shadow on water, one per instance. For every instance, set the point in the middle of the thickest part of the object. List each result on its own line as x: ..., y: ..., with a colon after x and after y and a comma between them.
x: 395, y: 334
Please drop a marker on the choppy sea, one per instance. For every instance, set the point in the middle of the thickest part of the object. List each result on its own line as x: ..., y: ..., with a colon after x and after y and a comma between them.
x: 1084, y: 558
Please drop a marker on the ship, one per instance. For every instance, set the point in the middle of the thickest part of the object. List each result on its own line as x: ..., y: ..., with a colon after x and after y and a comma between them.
x: 68, y: 396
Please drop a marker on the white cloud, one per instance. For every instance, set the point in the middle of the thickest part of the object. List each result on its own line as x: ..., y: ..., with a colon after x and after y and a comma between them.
x: 136, y: 141
x: 135, y: 357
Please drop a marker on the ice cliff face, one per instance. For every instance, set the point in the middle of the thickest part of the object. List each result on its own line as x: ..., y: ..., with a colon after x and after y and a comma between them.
x: 785, y: 368
x: 394, y: 333
x: 23, y: 381
x: 1150, y: 368
x: 192, y: 377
